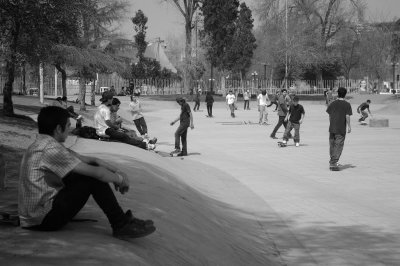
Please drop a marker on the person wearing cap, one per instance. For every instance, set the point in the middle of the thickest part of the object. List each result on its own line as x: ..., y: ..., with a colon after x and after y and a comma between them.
x: 105, y: 128
x: 246, y: 98
x: 230, y: 101
x: 185, y: 121
x: 197, y: 100
x: 282, y: 111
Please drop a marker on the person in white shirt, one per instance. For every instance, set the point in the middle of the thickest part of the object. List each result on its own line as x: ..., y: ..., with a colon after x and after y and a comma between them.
x: 263, y: 100
x: 104, y: 126
x: 246, y: 98
x: 230, y: 101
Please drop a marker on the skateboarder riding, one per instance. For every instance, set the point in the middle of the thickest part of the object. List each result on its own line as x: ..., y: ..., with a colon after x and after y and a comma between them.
x: 361, y: 109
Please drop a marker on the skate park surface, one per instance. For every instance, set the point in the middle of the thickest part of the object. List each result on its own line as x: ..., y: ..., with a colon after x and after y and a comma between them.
x: 239, y: 199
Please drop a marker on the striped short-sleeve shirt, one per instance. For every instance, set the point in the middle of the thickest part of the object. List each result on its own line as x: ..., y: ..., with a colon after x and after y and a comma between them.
x: 43, y: 166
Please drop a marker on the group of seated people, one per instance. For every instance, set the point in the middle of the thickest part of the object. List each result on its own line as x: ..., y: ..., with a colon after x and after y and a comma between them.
x: 109, y: 125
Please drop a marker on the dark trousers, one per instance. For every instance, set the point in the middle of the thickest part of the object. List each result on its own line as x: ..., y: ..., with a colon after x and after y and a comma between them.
x: 181, y: 135
x: 196, y: 105
x: 276, y: 105
x: 289, y: 127
x: 281, y: 122
x: 141, y: 125
x: 209, y: 109
x: 123, y: 137
x: 246, y: 105
x: 71, y: 199
x: 336, y: 143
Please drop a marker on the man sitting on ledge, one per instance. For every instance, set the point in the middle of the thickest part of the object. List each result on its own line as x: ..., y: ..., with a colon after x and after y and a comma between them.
x: 55, y: 182
x: 105, y: 127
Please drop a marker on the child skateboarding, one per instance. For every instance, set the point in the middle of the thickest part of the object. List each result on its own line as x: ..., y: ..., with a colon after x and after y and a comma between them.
x: 294, y: 118
x: 185, y: 121
x: 362, y: 109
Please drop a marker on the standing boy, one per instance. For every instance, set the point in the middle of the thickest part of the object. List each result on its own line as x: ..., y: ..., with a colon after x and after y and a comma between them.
x: 339, y: 117
x: 185, y: 120
x: 295, y: 118
x: 361, y: 109
x: 230, y: 101
x: 197, y: 100
x: 262, y: 100
x: 209, y: 102
x: 55, y: 182
x: 246, y: 98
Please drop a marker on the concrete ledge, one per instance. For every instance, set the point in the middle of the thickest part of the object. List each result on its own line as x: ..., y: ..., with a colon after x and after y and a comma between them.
x: 381, y: 122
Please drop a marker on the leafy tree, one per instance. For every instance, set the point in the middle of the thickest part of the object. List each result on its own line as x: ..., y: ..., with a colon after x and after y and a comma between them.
x: 140, y: 21
x: 240, y: 54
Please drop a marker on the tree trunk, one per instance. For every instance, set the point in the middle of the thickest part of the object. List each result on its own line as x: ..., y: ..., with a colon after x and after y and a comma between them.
x: 212, y: 79
x: 63, y: 79
x: 82, y: 93
x: 8, y: 108
x: 93, y: 95
x: 41, y: 83
x: 188, y: 57
x: 24, y: 78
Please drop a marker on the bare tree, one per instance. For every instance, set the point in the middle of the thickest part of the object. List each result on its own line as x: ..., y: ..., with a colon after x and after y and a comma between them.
x: 188, y: 9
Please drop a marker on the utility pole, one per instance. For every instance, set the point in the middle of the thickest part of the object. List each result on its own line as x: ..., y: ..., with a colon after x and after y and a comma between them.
x: 286, y: 44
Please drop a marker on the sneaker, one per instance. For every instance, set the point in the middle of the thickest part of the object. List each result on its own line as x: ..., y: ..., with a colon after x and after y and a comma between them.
x: 153, y: 141
x: 132, y: 230
x: 284, y: 142
x: 175, y: 151
x: 182, y: 154
x: 151, y: 146
x: 297, y: 144
x: 140, y: 222
x: 335, y: 167
x: 273, y: 137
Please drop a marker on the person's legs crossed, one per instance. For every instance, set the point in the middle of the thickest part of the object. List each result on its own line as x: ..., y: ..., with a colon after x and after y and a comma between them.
x: 122, y: 137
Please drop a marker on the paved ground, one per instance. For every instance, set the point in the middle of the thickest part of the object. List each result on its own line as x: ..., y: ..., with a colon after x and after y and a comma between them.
x: 339, y: 218
x: 318, y: 217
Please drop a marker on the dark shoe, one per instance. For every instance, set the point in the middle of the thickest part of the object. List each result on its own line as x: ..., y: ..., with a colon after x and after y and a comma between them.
x: 335, y: 167
x: 153, y: 141
x: 273, y: 137
x: 132, y: 230
x: 182, y: 154
x: 137, y: 221
x: 176, y: 151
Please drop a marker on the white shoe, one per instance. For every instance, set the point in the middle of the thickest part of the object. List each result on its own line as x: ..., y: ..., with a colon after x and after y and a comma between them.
x: 297, y: 144
x: 151, y: 147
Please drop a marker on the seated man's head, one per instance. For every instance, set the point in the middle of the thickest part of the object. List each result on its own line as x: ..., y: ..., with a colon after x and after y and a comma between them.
x: 296, y: 100
x: 115, y: 105
x: 106, y: 98
x: 64, y: 99
x: 54, y: 121
x: 342, y: 92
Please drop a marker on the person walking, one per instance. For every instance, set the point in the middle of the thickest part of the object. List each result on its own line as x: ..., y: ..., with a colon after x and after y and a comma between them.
x: 282, y: 111
x: 339, y: 117
x: 185, y: 121
x: 197, y: 100
x: 262, y: 100
x: 230, y: 101
x: 209, y: 102
x: 362, y: 109
x: 274, y: 100
x: 246, y: 98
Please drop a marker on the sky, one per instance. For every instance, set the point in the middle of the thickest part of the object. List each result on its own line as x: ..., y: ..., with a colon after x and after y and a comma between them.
x: 165, y: 20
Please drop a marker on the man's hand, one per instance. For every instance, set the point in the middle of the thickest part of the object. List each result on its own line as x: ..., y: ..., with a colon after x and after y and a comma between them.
x: 123, y: 186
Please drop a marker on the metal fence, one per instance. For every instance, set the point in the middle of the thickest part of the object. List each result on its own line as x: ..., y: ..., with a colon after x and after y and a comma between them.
x: 167, y: 86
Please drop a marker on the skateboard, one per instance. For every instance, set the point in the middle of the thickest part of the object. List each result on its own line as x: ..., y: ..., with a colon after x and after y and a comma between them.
x: 9, y: 216
x: 334, y: 168
x: 281, y: 144
x: 363, y: 123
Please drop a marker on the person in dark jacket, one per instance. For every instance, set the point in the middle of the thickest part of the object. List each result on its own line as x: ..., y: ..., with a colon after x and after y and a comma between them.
x: 209, y: 102
x: 282, y: 111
